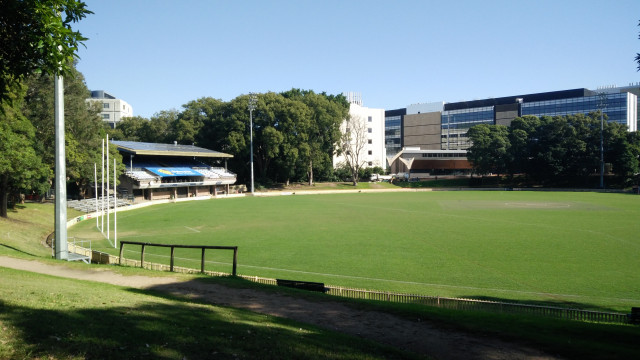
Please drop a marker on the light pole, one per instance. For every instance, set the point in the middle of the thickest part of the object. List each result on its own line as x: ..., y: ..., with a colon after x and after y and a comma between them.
x: 602, y: 104
x: 252, y: 106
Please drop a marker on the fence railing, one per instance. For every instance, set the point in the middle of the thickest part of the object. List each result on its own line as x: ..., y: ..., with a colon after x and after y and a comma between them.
x: 173, y: 247
x: 435, y: 301
x: 483, y: 305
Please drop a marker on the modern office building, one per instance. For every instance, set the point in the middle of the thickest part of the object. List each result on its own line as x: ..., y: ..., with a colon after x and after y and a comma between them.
x: 444, y: 126
x: 371, y: 124
x: 113, y: 109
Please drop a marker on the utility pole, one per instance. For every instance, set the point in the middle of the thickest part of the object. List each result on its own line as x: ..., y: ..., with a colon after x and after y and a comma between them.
x: 602, y: 104
x: 252, y: 106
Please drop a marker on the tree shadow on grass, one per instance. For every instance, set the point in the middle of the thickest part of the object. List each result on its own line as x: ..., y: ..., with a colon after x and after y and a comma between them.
x: 18, y: 250
x: 170, y: 331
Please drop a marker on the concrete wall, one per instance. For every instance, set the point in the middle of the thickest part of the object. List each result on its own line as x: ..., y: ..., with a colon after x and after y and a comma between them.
x: 423, y: 131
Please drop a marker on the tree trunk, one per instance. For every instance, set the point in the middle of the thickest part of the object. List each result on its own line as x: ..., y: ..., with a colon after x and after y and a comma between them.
x: 4, y: 188
x: 310, y: 172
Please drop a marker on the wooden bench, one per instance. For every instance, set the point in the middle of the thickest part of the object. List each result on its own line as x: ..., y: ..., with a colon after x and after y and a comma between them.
x: 304, y: 285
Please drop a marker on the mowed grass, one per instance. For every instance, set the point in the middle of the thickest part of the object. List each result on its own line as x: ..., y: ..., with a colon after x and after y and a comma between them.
x: 47, y: 317
x: 566, y: 248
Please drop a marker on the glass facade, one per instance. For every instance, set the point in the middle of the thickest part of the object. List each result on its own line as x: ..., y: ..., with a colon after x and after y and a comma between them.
x: 615, y: 108
x: 456, y: 123
x: 393, y: 134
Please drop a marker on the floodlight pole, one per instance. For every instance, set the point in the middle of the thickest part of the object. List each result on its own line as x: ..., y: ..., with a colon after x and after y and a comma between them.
x: 252, y: 106
x: 62, y: 251
x: 602, y: 105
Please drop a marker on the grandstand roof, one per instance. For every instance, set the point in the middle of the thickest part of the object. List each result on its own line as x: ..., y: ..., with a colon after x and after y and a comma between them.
x: 142, y: 148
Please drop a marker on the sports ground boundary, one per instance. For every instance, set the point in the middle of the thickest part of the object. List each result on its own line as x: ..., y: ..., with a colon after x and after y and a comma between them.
x: 354, y: 293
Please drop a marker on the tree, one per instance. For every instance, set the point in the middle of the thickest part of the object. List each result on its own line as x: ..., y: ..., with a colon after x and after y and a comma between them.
x: 489, y: 150
x: 20, y: 166
x: 352, y: 143
x: 36, y: 36
x: 84, y: 130
x: 327, y: 113
x: 638, y: 54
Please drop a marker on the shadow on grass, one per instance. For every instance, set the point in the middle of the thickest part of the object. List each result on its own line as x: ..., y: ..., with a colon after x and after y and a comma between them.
x: 18, y: 250
x: 170, y: 331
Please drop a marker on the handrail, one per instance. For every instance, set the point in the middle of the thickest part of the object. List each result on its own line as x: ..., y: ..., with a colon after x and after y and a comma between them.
x: 203, y: 247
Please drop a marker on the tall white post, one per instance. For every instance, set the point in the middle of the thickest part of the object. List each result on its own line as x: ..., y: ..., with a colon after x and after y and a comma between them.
x: 115, y: 207
x: 108, y: 220
x: 95, y: 190
x: 102, y: 189
x: 62, y: 251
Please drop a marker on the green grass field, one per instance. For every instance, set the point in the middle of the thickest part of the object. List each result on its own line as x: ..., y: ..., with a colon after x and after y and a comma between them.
x: 576, y: 249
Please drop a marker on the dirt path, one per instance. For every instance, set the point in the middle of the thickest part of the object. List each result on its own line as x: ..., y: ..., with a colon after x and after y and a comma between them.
x: 417, y: 336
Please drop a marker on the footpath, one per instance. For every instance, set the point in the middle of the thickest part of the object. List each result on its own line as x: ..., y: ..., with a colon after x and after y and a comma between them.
x: 418, y: 336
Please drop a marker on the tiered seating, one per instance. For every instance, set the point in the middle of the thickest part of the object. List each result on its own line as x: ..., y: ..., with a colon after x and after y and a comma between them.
x: 223, y: 173
x: 207, y: 173
x: 89, y: 205
x: 141, y: 175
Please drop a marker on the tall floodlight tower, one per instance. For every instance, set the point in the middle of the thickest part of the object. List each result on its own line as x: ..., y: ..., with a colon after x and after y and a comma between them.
x: 62, y: 252
x: 602, y: 105
x: 252, y: 106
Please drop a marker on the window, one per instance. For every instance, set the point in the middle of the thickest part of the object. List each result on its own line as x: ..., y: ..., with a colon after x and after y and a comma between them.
x: 370, y: 141
x: 370, y: 152
x: 105, y: 116
x: 370, y: 163
x: 370, y: 130
x: 105, y: 105
x: 370, y: 119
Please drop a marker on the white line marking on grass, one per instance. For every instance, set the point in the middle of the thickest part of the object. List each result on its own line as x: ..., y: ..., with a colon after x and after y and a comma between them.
x: 192, y: 229
x: 436, y: 285
x: 401, y: 281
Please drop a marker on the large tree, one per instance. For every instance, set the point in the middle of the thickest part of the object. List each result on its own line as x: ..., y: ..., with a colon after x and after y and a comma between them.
x: 327, y: 113
x: 84, y: 130
x: 36, y: 36
x: 352, y: 144
x: 20, y: 166
x: 490, y: 145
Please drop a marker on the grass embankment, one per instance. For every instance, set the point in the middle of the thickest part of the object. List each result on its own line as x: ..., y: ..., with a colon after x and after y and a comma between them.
x: 47, y: 317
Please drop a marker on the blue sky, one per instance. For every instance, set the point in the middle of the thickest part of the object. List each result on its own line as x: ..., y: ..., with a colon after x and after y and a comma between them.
x: 159, y: 55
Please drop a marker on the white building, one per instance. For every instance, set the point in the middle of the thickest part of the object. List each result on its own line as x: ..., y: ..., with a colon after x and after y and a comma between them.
x: 372, y: 121
x: 113, y: 109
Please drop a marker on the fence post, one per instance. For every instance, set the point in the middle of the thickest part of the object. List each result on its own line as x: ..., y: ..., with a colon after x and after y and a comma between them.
x: 120, y: 259
x: 235, y: 260
x: 171, y: 267
x: 202, y: 262
x: 142, y: 257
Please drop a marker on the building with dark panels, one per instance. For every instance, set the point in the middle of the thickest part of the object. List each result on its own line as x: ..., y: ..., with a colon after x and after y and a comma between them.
x: 446, y: 129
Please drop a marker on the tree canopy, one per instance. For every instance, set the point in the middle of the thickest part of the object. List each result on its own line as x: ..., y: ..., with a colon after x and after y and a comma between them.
x: 555, y: 150
x: 294, y: 132
x: 36, y: 36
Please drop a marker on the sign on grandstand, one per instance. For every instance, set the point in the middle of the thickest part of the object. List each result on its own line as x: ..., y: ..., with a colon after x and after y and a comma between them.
x: 173, y: 171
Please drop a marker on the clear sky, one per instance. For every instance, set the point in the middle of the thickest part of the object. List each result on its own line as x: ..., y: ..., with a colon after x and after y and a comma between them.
x: 159, y: 55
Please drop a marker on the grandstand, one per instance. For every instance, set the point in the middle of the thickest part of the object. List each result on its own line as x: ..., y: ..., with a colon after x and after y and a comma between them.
x: 171, y: 171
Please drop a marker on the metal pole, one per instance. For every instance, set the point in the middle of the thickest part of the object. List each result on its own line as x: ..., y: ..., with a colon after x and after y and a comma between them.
x: 601, y: 149
x: 252, y: 106
x: 108, y: 220
x: 62, y: 252
x: 251, y: 131
x: 602, y: 104
x: 95, y: 189
x: 115, y: 208
x: 102, y: 190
